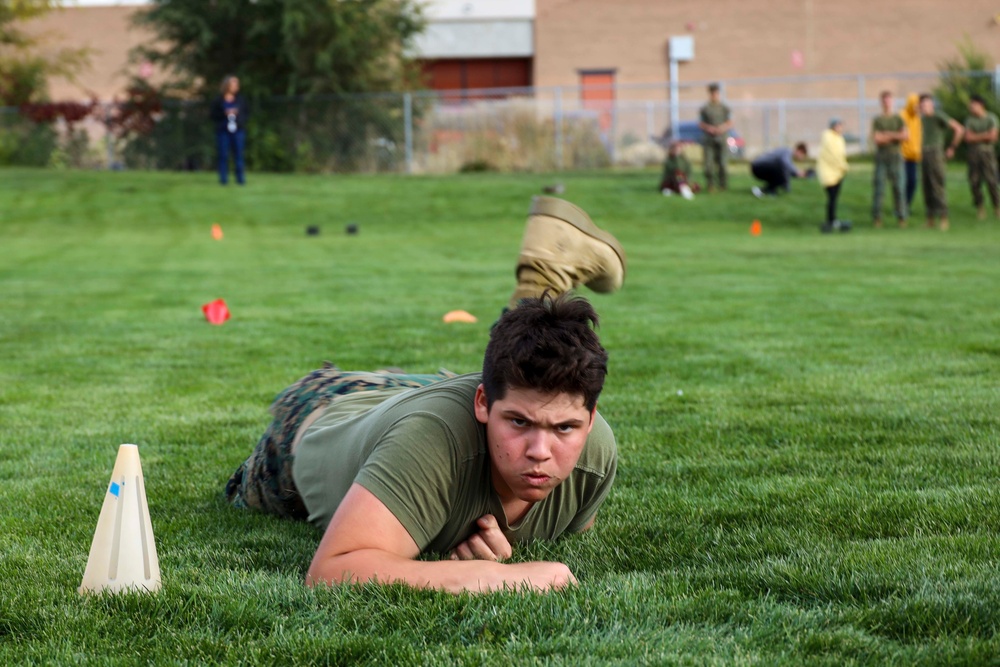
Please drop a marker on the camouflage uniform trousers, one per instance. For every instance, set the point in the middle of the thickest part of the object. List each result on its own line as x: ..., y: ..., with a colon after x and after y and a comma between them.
x: 264, y: 481
x: 716, y: 154
x: 933, y: 171
x: 888, y: 166
x: 983, y: 169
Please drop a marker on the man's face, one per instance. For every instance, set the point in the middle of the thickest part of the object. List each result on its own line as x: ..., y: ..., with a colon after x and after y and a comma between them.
x: 713, y: 96
x: 534, y: 440
x: 977, y: 109
x: 887, y: 104
x: 927, y: 106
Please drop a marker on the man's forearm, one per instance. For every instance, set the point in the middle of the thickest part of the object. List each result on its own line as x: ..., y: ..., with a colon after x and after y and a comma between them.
x: 475, y: 576
x: 979, y: 137
x: 959, y: 133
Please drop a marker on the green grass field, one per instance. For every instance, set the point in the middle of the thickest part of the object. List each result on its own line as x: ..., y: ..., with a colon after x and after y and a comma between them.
x: 809, y: 425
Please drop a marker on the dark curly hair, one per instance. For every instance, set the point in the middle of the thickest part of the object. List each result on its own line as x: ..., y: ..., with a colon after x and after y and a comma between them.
x: 548, y: 344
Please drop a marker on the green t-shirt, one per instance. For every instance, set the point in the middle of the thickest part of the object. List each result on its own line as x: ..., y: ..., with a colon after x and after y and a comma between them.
x: 890, y: 123
x: 423, y: 454
x: 715, y: 113
x: 935, y: 130
x: 674, y: 164
x: 984, y: 124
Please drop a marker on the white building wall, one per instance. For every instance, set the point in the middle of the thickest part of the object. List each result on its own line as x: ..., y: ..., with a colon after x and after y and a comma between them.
x: 476, y: 39
x: 445, y: 10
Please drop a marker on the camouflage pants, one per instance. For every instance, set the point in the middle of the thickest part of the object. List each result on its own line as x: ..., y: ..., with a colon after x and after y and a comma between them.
x: 264, y: 481
x: 716, y: 155
x: 933, y: 172
x: 888, y: 167
x: 983, y: 169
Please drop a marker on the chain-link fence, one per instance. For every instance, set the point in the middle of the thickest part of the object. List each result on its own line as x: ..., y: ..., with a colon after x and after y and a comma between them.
x: 522, y: 129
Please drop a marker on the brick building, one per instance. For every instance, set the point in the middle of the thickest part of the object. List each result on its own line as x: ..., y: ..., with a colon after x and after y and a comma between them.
x: 491, y: 43
x: 755, y: 38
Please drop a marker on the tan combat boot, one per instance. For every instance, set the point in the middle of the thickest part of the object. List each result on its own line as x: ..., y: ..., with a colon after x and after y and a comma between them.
x: 563, y: 249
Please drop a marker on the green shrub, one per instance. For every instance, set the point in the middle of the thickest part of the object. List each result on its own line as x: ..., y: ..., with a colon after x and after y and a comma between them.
x: 24, y: 143
x: 969, y: 73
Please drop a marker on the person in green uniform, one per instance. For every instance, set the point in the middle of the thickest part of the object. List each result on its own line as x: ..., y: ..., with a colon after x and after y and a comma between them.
x: 888, y: 132
x: 715, y: 122
x: 981, y: 129
x: 392, y: 465
x: 676, y: 177
x: 934, y: 127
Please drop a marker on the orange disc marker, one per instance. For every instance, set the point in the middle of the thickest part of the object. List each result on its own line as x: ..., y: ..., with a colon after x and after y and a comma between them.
x: 755, y: 228
x: 217, y: 232
x: 460, y: 316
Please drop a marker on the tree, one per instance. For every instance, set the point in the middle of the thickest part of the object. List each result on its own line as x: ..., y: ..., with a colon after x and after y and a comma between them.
x: 24, y: 70
x: 282, y: 47
x: 30, y: 138
x: 969, y: 73
x: 315, y: 72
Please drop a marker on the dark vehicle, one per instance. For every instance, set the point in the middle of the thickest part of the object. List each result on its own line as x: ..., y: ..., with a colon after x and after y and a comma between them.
x: 690, y: 133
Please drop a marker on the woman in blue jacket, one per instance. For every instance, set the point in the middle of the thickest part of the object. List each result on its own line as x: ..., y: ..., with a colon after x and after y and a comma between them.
x: 229, y: 114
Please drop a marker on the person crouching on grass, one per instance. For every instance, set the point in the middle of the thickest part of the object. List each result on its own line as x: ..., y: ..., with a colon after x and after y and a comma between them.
x: 392, y: 466
x: 677, y: 174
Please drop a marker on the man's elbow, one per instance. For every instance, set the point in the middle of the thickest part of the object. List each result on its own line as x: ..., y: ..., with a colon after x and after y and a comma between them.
x: 318, y: 575
x: 330, y: 570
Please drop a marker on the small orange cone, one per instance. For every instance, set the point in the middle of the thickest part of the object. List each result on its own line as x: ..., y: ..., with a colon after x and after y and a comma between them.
x: 460, y: 316
x: 755, y: 228
x: 217, y: 232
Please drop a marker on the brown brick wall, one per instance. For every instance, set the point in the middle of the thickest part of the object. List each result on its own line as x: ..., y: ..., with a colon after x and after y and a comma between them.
x: 107, y: 33
x: 733, y: 38
x: 754, y: 38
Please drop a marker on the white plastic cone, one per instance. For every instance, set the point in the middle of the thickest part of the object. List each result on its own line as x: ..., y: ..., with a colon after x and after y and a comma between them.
x: 123, y: 554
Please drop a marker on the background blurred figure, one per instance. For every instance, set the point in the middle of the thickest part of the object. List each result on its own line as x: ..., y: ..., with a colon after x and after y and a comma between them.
x: 911, y: 146
x: 715, y: 122
x: 229, y: 113
x: 888, y: 132
x: 831, y: 167
x: 981, y: 130
x: 676, y: 174
x: 934, y: 126
x: 776, y: 168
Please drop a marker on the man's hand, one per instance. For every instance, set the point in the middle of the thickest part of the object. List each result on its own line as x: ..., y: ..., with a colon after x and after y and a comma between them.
x: 949, y: 152
x: 539, y: 576
x: 488, y: 544
x: 366, y: 542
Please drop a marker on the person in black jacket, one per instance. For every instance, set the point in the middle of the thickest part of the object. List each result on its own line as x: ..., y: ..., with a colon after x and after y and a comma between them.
x: 229, y: 114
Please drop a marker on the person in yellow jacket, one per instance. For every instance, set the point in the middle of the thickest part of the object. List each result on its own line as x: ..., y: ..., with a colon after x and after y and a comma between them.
x: 911, y: 147
x: 831, y: 167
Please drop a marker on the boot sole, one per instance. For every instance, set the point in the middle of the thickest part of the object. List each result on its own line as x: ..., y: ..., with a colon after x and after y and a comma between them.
x: 574, y: 215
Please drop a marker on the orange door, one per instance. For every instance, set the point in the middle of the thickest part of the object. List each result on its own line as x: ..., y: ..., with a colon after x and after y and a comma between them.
x: 597, y: 92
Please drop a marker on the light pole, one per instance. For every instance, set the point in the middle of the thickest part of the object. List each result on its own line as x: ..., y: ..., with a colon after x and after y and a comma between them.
x: 681, y: 51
